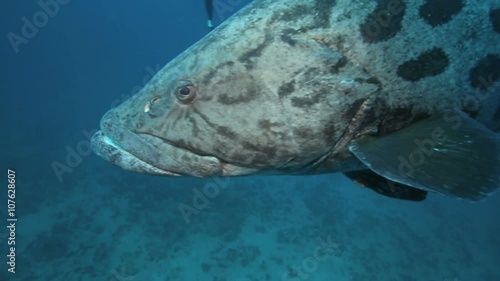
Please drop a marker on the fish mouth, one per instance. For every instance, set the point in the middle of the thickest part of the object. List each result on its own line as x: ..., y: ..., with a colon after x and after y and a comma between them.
x: 112, y: 152
x: 149, y: 154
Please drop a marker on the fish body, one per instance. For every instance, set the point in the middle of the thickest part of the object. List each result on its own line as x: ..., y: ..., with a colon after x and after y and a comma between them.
x: 323, y: 86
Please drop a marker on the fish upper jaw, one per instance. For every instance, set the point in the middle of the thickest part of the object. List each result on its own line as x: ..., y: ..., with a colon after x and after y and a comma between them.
x: 148, y: 154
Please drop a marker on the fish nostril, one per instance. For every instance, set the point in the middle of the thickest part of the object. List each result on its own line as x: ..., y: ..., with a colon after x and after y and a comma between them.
x: 149, y: 104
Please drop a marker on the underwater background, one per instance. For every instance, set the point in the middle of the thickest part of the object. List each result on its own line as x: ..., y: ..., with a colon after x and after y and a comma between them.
x: 93, y: 221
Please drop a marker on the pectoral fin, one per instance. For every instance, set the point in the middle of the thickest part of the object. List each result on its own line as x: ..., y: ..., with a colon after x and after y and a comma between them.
x: 451, y: 154
x: 381, y: 185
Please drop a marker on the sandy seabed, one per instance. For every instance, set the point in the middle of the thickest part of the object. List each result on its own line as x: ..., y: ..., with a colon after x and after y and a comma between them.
x: 112, y: 225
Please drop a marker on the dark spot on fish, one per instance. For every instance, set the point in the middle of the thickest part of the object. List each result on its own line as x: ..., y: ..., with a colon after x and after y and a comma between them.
x: 210, y: 76
x: 115, y: 157
x: 248, y: 65
x: 267, y: 152
x: 374, y: 80
x: 471, y: 113
x: 340, y: 43
x: 190, y: 147
x: 286, y: 36
x: 179, y: 116
x: 286, y: 89
x: 486, y: 72
x: 186, y: 159
x: 384, y: 22
x: 290, y: 14
x: 266, y: 125
x: 429, y: 63
x: 246, y: 58
x: 204, y: 117
x: 206, y: 98
x: 213, y: 73
x: 392, y: 120
x: 341, y: 62
x: 181, y: 143
x: 139, y: 124
x: 243, y: 97
x: 398, y: 118
x: 329, y: 132
x: 322, y: 12
x: 304, y: 132
x: 305, y: 101
x: 437, y: 12
x: 226, y: 132
x: 194, y: 126
x: 238, y: 158
x: 495, y: 19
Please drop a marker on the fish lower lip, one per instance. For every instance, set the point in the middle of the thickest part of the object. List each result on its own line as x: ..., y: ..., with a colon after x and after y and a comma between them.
x: 109, y: 150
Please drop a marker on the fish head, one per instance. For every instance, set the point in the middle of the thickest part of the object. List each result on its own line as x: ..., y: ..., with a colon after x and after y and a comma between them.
x: 201, y: 115
x: 248, y: 98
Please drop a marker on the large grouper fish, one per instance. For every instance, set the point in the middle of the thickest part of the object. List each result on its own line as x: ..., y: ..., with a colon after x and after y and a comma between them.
x: 399, y: 95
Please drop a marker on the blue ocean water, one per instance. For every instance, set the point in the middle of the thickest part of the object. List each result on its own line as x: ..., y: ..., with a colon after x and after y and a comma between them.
x: 95, y: 221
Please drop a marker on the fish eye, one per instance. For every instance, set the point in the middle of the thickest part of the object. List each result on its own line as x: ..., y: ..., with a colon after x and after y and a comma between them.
x: 185, y: 92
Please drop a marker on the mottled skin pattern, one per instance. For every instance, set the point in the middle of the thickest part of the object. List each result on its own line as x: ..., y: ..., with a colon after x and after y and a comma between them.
x: 283, y: 86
